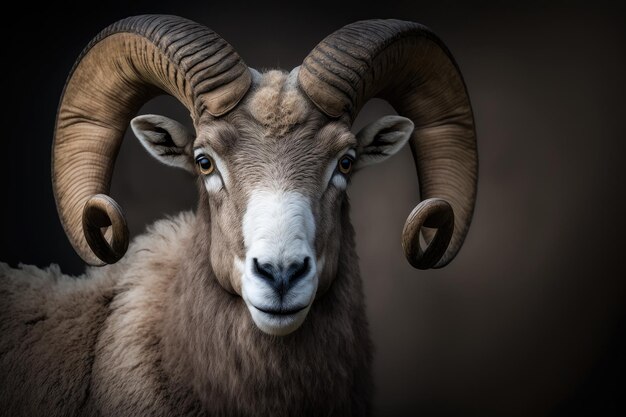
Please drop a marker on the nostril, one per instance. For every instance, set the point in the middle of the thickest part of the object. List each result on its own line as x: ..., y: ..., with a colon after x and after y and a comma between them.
x: 279, y: 277
x: 264, y: 270
x: 298, y: 270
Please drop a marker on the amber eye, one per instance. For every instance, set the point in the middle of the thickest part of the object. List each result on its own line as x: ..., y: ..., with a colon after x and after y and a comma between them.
x: 345, y: 164
x: 205, y: 164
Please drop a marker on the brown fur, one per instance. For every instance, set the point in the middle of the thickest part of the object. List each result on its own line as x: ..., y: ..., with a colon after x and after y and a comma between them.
x: 157, y: 335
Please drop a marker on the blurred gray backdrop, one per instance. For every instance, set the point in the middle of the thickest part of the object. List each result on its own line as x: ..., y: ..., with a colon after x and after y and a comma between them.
x: 529, y: 319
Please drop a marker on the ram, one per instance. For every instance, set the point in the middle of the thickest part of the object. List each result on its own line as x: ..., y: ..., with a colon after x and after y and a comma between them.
x: 253, y: 304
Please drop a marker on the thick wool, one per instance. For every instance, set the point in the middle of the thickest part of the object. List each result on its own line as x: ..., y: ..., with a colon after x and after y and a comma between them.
x: 155, y: 334
x: 276, y: 105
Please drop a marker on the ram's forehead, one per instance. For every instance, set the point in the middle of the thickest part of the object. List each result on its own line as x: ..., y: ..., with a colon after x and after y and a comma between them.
x: 277, y: 104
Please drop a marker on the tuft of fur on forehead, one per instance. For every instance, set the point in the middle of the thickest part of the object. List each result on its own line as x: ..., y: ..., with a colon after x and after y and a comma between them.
x: 277, y: 104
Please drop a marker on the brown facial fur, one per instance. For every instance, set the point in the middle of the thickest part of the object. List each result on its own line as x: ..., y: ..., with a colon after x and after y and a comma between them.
x: 272, y: 154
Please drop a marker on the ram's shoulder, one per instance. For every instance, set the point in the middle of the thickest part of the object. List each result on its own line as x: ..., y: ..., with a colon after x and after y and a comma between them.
x: 30, y: 295
x: 49, y: 323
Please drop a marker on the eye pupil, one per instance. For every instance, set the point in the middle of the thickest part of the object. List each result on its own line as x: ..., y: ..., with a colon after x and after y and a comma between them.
x: 205, y: 163
x: 345, y: 165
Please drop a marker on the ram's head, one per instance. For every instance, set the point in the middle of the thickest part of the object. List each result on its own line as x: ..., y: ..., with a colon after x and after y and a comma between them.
x: 273, y: 151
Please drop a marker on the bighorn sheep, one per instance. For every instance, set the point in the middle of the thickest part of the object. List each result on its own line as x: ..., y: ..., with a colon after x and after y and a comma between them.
x: 253, y: 304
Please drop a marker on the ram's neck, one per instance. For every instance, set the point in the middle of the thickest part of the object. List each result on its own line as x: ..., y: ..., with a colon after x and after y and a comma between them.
x: 211, y: 345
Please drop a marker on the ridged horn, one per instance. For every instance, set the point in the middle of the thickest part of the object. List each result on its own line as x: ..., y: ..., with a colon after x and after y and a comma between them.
x: 128, y: 63
x: 407, y: 65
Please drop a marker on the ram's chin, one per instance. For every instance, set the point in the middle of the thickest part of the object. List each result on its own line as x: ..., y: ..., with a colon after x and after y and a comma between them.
x: 278, y: 324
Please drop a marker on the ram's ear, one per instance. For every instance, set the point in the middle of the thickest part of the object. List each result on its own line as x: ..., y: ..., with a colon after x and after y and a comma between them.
x: 166, y: 139
x: 382, y: 138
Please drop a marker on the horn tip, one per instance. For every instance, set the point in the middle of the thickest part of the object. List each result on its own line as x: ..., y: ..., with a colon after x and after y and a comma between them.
x: 105, y: 230
x: 433, y: 213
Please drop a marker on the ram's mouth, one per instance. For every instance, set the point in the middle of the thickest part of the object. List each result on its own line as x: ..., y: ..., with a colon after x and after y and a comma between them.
x: 281, y: 311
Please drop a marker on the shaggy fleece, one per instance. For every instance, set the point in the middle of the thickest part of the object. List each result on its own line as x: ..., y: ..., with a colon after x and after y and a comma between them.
x: 155, y: 334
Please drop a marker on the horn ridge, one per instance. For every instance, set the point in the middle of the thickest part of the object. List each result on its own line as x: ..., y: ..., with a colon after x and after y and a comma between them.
x: 407, y: 65
x: 125, y: 65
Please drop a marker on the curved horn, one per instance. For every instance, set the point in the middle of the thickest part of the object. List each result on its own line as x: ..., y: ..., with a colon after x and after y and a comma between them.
x: 407, y: 65
x: 127, y: 64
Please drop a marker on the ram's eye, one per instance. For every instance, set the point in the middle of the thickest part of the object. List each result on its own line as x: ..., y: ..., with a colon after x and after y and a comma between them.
x: 205, y: 164
x: 345, y: 164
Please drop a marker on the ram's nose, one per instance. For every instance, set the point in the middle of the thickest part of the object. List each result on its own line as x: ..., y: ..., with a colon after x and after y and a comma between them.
x: 281, y: 276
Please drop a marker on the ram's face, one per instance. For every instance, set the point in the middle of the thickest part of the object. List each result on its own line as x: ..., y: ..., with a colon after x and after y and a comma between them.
x: 275, y: 204
x: 273, y: 176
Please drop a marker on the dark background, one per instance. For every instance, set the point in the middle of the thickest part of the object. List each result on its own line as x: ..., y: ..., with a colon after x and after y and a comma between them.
x: 529, y: 319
